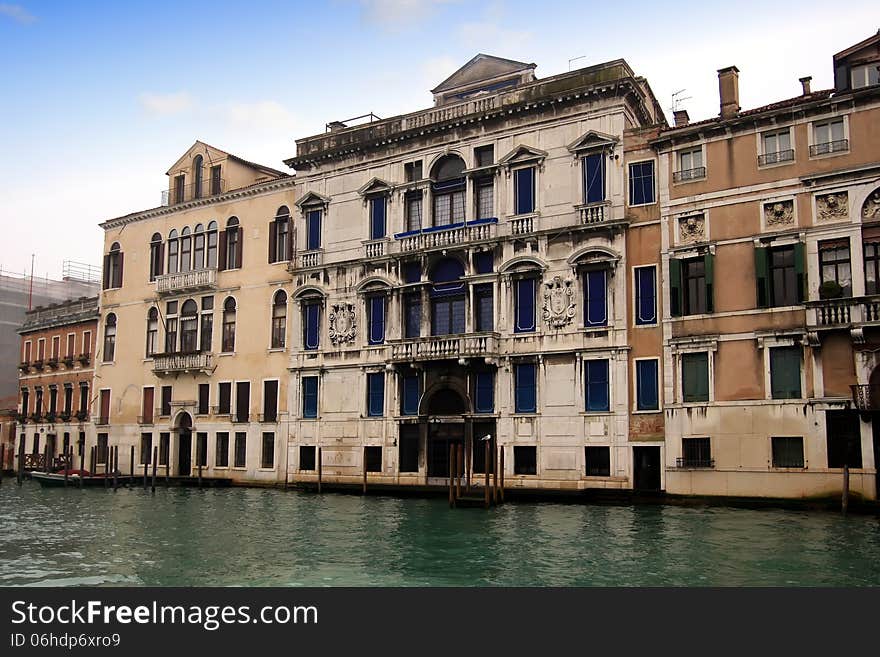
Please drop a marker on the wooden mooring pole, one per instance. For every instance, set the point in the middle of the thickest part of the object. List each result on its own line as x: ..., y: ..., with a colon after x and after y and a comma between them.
x: 92, y: 459
x: 46, y: 466
x: 155, y: 465
x: 319, y: 470
x: 199, y: 458
x: 451, y: 473
x: 82, y: 462
x: 501, y: 471
x: 844, y: 500
x: 116, y: 468
x: 495, y: 475
x: 167, y: 470
x: 486, y: 462
x: 131, y: 464
x: 364, y: 490
x: 20, y: 459
x: 459, y: 466
x: 145, y: 476
x: 67, y: 462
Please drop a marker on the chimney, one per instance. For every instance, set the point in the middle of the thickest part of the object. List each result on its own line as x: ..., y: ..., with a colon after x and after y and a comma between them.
x: 681, y: 118
x: 728, y: 90
x: 805, y: 83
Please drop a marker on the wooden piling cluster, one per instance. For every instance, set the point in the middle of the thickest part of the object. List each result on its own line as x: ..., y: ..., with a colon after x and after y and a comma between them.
x: 460, y: 465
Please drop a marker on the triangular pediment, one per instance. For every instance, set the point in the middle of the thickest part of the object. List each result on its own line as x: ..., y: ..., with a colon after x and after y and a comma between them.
x: 210, y: 155
x: 376, y: 186
x: 592, y: 140
x: 311, y: 200
x: 868, y: 47
x: 480, y: 69
x: 522, y: 154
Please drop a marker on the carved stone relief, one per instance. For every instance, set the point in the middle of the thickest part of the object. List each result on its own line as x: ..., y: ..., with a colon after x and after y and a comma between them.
x: 559, y: 306
x: 779, y: 213
x: 343, y: 323
x: 871, y: 208
x: 832, y: 207
x: 692, y: 229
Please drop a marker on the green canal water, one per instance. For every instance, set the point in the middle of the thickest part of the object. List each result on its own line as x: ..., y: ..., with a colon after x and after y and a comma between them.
x: 186, y: 537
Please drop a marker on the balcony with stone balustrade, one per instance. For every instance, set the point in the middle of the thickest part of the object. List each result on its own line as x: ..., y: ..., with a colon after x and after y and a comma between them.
x: 445, y: 347
x: 187, y: 281
x: 175, y: 363
x: 442, y: 237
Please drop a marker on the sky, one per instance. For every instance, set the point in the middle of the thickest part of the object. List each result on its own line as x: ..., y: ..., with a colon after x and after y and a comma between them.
x: 98, y: 99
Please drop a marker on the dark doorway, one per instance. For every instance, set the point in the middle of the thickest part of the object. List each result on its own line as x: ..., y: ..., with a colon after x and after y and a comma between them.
x: 184, y: 446
x: 441, y: 436
x: 646, y: 468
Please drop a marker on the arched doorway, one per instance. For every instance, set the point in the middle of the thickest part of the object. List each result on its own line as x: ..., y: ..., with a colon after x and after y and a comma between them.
x: 446, y: 410
x: 184, y: 444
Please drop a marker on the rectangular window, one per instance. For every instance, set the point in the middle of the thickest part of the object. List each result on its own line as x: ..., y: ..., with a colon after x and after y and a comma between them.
x: 788, y: 451
x: 307, y: 457
x: 376, y: 319
x: 102, y: 451
x: 224, y: 398
x: 204, y: 393
x: 695, y: 377
x: 525, y: 385
x: 696, y: 453
x: 484, y: 156
x: 147, y: 406
x: 835, y: 269
x: 240, y: 449
x: 485, y: 198
x: 375, y: 394
x: 828, y: 137
x: 646, y: 295
x: 484, y: 392
x: 524, y: 190
x: 412, y: 171
x: 165, y: 408
x: 447, y: 317
x: 373, y: 459
x: 178, y: 188
x: 146, y: 448
x: 71, y: 345
x: 216, y: 182
x: 594, y: 177
x: 411, y: 392
x: 242, y: 401
x: 448, y: 207
x: 695, y: 281
x: 311, y: 325
x: 647, y: 385
x: 313, y: 230
x: 525, y: 460
x: 598, y: 461
x: 270, y: 401
x: 595, y: 298
x: 641, y: 183
x: 377, y: 217
x: 784, y: 288
x: 785, y: 372
x: 267, y: 458
x: 844, y: 441
x: 408, y: 448
x: 310, y: 396
x: 412, y: 308
x: 484, y: 308
x: 68, y: 399
x: 865, y: 75
x: 776, y: 147
x: 164, y: 447
x: 56, y: 347
x: 872, y: 267
x: 221, y: 450
x: 414, y: 211
x: 207, y: 329
x: 525, y: 305
x: 690, y: 165
x: 596, y: 388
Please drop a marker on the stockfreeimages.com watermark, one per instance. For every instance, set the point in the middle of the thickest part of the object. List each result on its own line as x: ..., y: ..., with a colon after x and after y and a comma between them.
x: 209, y: 617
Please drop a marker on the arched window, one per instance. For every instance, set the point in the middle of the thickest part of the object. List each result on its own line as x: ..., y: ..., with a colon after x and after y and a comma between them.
x: 152, y: 331
x: 185, y: 250
x: 197, y: 176
x: 156, y: 258
x: 447, y: 297
x: 279, y: 236
x: 113, y: 267
x: 109, y: 338
x: 311, y: 322
x: 229, y: 325
x: 279, y: 319
x: 448, y: 187
x: 173, y: 246
x: 211, y: 262
x: 230, y: 245
x: 189, y: 327
x: 199, y: 247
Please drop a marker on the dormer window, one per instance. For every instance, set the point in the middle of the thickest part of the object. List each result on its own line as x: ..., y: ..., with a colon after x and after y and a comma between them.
x: 865, y: 75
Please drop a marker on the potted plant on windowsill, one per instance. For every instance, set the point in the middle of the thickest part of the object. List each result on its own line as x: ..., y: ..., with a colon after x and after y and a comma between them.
x: 830, y: 290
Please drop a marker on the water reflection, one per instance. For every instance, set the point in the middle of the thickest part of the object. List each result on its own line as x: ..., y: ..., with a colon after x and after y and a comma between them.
x: 185, y: 537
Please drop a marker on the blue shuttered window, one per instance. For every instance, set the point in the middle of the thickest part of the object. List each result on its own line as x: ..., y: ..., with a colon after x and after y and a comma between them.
x: 594, y: 178
x: 412, y: 308
x: 484, y: 389
x: 647, y: 385
x: 596, y: 385
x: 641, y: 183
x: 411, y: 392
x: 484, y: 311
x: 313, y: 230
x: 310, y: 396
x: 526, y: 399
x: 375, y: 394
x: 646, y: 295
x: 377, y: 218
x: 595, y: 298
x: 376, y: 319
x: 525, y: 305
x: 483, y: 262
x: 524, y: 190
x: 448, y: 316
x: 311, y: 325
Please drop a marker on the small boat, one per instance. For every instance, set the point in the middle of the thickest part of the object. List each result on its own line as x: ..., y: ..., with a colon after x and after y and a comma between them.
x: 77, y: 478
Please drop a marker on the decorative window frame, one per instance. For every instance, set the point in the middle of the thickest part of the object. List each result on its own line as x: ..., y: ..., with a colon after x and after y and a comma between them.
x: 811, y: 135
x: 635, y: 386
x: 676, y: 159
x: 790, y: 338
x: 692, y: 346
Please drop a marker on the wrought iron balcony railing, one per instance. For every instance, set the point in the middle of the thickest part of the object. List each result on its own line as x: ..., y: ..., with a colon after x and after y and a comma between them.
x: 685, y: 463
x: 776, y: 157
x: 689, y: 174
x: 824, y: 148
x: 866, y: 397
x: 197, y: 279
x: 192, y: 192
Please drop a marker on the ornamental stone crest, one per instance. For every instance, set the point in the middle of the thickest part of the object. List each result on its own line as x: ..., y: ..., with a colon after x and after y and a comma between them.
x: 692, y: 229
x: 779, y: 213
x: 343, y: 323
x: 559, y: 305
x: 871, y: 208
x: 832, y: 207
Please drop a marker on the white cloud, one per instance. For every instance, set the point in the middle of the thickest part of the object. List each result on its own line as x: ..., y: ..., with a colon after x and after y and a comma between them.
x: 489, y: 35
x: 437, y: 69
x: 167, y: 104
x: 17, y: 13
x: 395, y: 14
x: 264, y: 115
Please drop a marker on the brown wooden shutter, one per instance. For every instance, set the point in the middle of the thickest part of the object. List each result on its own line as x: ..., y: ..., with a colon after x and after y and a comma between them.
x: 106, y: 273
x: 240, y: 249
x: 118, y: 281
x: 221, y: 251
x: 160, y: 266
x: 273, y: 241
x: 105, y: 406
x: 290, y: 226
x: 147, y: 411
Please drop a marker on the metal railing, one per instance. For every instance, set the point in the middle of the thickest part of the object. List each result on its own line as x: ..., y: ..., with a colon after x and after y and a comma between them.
x: 192, y: 192
x: 685, y: 462
x: 689, y: 174
x: 830, y: 147
x: 182, y: 362
x: 866, y: 397
x: 445, y: 347
x: 186, y: 280
x: 776, y: 157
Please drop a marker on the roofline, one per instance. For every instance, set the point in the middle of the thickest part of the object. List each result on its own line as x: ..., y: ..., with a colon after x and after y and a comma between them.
x: 524, y: 65
x: 857, y: 46
x: 232, y: 156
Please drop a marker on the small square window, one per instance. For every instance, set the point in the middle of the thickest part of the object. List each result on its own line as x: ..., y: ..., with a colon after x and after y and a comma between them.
x: 373, y: 458
x: 788, y: 451
x: 598, y: 461
x: 307, y: 457
x: 525, y: 460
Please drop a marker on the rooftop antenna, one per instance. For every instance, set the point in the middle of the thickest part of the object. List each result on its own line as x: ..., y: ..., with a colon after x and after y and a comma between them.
x: 678, y: 99
x: 574, y: 59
